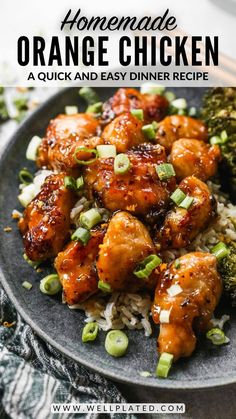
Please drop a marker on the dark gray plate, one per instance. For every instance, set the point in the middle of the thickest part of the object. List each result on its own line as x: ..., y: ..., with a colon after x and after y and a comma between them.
x: 61, y: 327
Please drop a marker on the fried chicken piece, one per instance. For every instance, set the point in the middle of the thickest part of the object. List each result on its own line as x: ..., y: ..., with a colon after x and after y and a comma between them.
x: 124, y: 100
x: 194, y: 157
x: 181, y: 225
x: 126, y: 243
x: 139, y: 190
x: 46, y: 220
x: 174, y: 127
x: 125, y: 132
x: 191, y: 309
x: 63, y: 135
x: 75, y: 266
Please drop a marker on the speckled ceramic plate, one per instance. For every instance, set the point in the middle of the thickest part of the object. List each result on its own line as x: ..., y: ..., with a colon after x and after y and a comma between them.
x: 61, y: 327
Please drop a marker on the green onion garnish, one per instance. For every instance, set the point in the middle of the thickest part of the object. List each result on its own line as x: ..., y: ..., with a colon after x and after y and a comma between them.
x: 82, y: 235
x: 32, y: 149
x: 90, y: 218
x: 149, y: 131
x: 79, y: 182
x: 89, y: 94
x: 192, y: 111
x: 106, y: 151
x: 104, y: 286
x: 25, y: 176
x: 164, y: 364
x: 152, y: 89
x: 27, y: 285
x: 170, y: 96
x: 178, y: 196
x: 95, y: 108
x: 165, y: 171
x: 34, y: 264
x: 217, y: 336
x: 121, y: 164
x: 187, y: 202
x: 90, y: 332
x: 50, y: 284
x: 71, y: 110
x: 69, y: 182
x: 82, y: 149
x: 138, y: 113
x: 155, y: 125
x: 116, y: 343
x: 224, y: 137
x: 220, y: 250
x: 179, y: 103
x: 177, y: 264
x: 145, y: 268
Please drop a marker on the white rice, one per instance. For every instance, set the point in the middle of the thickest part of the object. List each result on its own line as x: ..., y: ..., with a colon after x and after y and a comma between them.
x: 133, y: 310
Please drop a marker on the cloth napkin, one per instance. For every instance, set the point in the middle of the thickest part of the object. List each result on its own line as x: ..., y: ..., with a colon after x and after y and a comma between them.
x: 33, y: 374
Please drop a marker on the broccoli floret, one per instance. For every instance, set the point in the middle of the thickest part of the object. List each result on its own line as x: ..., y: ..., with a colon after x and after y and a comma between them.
x: 219, y: 113
x: 227, y: 269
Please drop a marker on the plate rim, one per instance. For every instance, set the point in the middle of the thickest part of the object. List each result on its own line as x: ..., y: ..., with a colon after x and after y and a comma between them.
x: 209, y: 383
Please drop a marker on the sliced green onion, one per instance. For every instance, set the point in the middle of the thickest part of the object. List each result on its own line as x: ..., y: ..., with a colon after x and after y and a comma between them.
x: 165, y: 171
x: 27, y: 194
x: 220, y: 250
x: 21, y: 103
x: 138, y: 113
x: 152, y: 89
x: 82, y: 235
x: 181, y: 112
x: 79, y: 182
x: 25, y: 176
x: 177, y: 264
x: 90, y: 218
x: 34, y: 264
x: 32, y: 149
x: 104, y: 286
x: 121, y: 164
x: 95, y: 108
x: 224, y: 137
x: 187, y: 202
x: 116, y: 343
x: 164, y: 364
x: 155, y: 125
x: 149, y: 131
x: 50, y: 284
x: 71, y: 110
x: 106, y: 150
x: 89, y: 94
x: 27, y: 285
x: 178, y: 196
x: 82, y: 149
x: 145, y: 268
x: 192, y: 111
x: 90, y: 332
x: 179, y: 103
x: 69, y: 182
x: 217, y: 336
x: 170, y: 96
x: 215, y: 140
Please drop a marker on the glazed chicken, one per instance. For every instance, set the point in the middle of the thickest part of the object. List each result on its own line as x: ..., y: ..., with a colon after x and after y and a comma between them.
x: 192, y: 308
x: 182, y: 225
x: 139, y: 190
x: 174, y: 127
x: 75, y: 266
x: 194, y: 157
x: 125, y: 132
x: 124, y: 100
x: 126, y: 243
x: 63, y: 135
x: 46, y: 220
